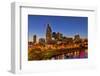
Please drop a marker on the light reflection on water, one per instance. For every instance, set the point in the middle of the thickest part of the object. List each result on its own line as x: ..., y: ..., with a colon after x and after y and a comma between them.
x: 72, y: 55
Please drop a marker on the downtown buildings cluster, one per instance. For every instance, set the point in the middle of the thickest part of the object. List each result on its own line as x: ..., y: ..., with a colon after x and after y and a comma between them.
x: 56, y: 44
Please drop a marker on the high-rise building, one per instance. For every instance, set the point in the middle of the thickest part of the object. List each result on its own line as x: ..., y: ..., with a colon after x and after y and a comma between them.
x: 34, y: 39
x: 59, y: 35
x: 42, y: 40
x: 77, y: 37
x: 54, y: 35
x: 48, y: 33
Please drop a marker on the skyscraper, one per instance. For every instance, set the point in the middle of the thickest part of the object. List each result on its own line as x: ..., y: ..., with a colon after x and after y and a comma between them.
x: 42, y: 40
x: 48, y: 33
x: 77, y: 37
x: 34, y: 39
x: 59, y: 35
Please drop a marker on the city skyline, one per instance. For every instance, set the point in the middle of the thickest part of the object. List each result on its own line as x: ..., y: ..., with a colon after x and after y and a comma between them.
x: 67, y: 25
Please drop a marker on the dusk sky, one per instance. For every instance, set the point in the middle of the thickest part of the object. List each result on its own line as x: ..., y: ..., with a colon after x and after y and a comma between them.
x: 67, y: 25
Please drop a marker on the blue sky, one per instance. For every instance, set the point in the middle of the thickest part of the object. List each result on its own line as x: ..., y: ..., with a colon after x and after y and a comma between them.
x: 67, y: 25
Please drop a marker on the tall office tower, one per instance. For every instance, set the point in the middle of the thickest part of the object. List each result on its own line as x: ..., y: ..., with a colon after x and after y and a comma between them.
x: 34, y: 39
x: 48, y: 33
